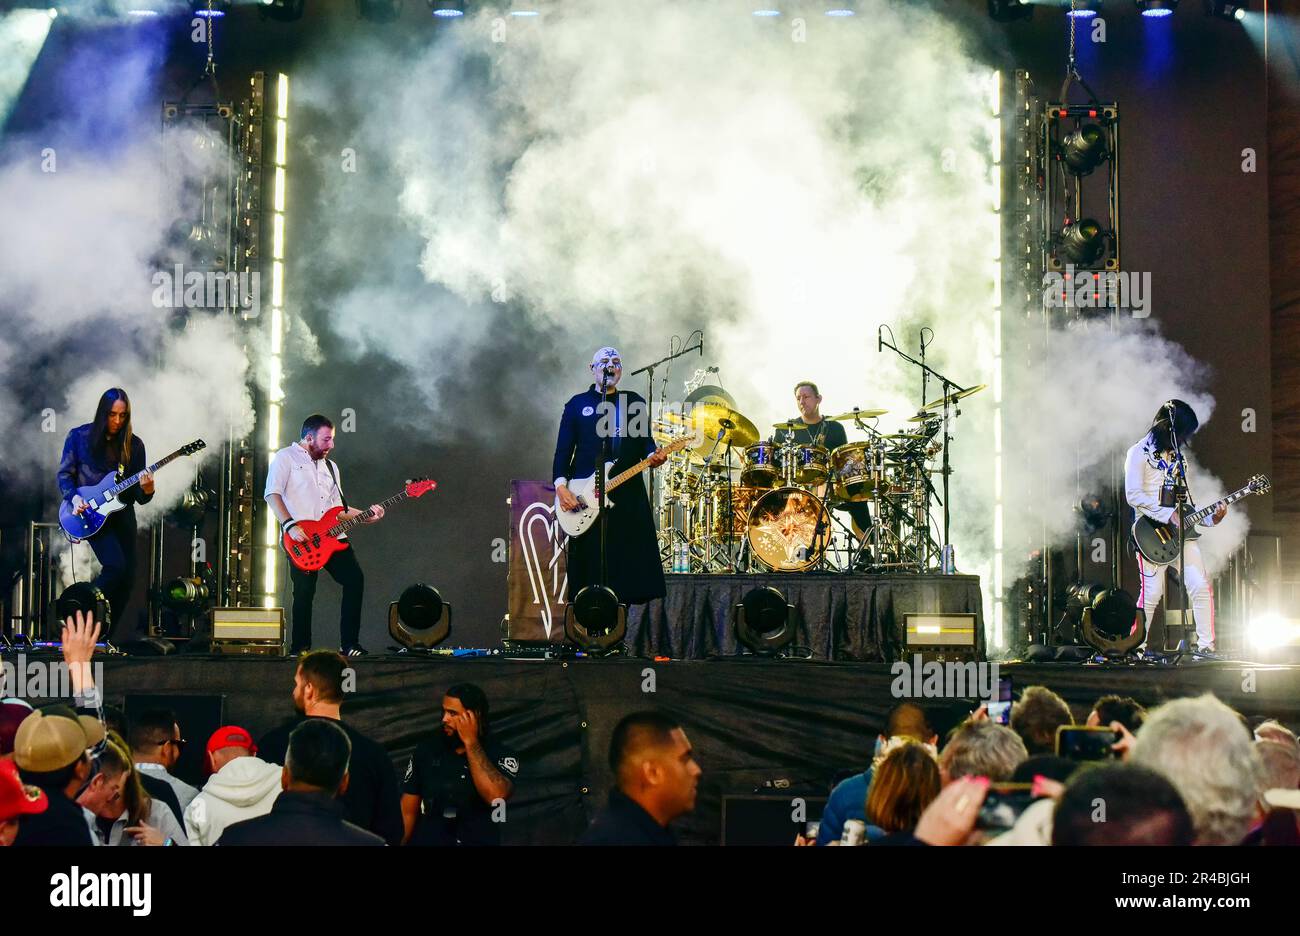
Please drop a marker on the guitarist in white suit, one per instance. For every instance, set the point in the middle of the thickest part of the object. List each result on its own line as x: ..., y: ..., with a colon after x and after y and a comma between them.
x: 1149, y: 472
x: 635, y: 571
x: 91, y: 452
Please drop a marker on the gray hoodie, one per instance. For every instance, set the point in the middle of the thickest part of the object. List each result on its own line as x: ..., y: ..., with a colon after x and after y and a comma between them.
x: 243, y: 789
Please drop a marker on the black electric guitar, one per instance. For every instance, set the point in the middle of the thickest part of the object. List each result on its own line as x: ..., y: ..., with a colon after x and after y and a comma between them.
x: 1158, y: 542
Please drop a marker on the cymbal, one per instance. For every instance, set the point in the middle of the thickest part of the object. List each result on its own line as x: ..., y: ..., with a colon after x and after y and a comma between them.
x: 711, y: 393
x: 708, y: 419
x: 922, y: 417
x: 859, y: 414
x: 906, y: 436
x: 954, y: 397
x: 791, y: 426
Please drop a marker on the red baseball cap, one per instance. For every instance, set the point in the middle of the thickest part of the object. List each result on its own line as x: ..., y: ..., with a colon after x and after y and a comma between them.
x: 12, y: 713
x: 230, y: 736
x: 17, y: 798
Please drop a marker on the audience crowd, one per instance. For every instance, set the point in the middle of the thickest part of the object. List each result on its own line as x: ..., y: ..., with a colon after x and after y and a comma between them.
x: 1191, y: 771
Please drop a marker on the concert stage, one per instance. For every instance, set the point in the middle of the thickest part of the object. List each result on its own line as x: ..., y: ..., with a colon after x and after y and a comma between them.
x: 839, y: 617
x: 752, y: 722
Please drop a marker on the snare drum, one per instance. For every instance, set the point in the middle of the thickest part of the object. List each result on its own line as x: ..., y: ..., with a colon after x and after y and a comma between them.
x: 811, y: 464
x: 858, y: 471
x: 731, y: 516
x: 760, y: 468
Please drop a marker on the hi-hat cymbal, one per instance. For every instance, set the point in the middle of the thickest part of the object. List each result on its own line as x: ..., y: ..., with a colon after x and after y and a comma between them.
x: 954, y: 397
x: 905, y: 436
x: 922, y: 417
x: 859, y: 414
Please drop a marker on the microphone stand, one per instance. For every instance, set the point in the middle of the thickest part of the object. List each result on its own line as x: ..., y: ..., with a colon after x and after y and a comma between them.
x: 1180, y: 502
x: 946, y: 388
x: 649, y: 371
x: 605, y: 457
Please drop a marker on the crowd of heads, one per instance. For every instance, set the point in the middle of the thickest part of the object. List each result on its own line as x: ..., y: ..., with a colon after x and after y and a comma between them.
x: 1191, y: 770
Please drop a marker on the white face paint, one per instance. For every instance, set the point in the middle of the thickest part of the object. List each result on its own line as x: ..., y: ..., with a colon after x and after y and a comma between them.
x: 607, y: 357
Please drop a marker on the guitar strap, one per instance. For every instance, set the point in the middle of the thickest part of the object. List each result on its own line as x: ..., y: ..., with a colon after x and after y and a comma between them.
x: 335, y: 475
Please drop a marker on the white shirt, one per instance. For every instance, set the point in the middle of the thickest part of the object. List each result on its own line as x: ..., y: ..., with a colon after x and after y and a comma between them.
x: 306, y: 484
x: 184, y: 792
x: 1146, y: 472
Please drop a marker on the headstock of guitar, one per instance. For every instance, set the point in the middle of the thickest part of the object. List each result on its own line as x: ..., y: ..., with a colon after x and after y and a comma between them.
x: 1259, y: 484
x: 419, y: 486
x: 197, y: 445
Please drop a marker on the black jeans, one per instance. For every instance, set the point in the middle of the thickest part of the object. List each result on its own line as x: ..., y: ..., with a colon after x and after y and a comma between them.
x: 343, y: 568
x: 114, y: 547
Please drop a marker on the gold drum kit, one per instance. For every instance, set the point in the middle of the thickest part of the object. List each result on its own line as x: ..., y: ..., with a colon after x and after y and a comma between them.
x: 736, y: 503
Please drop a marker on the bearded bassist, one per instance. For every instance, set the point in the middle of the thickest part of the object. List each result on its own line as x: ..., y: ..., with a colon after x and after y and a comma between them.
x: 302, y: 483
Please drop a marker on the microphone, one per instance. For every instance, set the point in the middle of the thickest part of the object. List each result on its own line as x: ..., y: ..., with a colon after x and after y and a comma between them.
x: 880, y: 338
x: 701, y: 344
x: 609, y: 372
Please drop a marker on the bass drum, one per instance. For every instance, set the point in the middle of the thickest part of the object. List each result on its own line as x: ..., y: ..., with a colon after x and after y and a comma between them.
x: 789, y: 530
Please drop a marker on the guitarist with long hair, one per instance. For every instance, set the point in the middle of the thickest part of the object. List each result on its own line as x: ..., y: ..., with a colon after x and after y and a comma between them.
x: 634, y: 568
x: 302, y: 483
x: 90, y: 453
x: 1150, y: 470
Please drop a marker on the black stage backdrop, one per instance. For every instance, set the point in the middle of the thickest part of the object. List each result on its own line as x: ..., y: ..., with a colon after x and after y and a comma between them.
x: 757, y: 726
x: 837, y: 617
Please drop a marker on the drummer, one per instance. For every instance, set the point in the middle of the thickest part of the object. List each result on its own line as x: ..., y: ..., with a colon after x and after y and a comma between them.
x: 816, y: 430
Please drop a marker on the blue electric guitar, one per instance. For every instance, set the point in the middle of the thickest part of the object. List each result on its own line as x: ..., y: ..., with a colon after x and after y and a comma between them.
x: 101, y: 499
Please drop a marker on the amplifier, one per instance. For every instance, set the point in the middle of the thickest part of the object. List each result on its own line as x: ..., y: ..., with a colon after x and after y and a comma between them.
x: 257, y: 631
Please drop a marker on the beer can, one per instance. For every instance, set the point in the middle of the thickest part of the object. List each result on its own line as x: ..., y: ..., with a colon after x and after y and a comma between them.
x: 948, y: 560
x: 855, y: 831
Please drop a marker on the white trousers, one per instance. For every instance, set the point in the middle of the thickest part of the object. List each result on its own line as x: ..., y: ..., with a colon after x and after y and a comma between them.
x: 1199, y: 592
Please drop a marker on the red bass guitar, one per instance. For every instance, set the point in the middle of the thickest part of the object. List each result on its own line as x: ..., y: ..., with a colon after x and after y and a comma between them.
x: 323, y: 535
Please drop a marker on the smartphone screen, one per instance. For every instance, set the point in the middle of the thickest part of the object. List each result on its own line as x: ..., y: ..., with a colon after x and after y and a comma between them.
x: 1085, y: 744
x: 1000, y: 708
x: 1003, y: 805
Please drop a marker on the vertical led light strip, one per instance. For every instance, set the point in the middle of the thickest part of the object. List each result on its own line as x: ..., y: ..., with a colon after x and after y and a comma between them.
x: 275, y: 370
x: 995, y: 127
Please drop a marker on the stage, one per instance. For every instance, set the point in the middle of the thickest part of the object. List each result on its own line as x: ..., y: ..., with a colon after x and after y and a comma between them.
x: 777, y: 727
x: 837, y: 617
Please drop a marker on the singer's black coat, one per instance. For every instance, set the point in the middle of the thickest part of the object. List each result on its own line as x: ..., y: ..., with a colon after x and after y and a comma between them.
x: 635, y: 571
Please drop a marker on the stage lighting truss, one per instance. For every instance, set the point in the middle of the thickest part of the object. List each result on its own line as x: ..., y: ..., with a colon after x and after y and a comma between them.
x: 1081, y: 203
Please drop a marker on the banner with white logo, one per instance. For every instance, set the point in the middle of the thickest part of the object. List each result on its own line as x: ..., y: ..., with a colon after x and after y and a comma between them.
x: 537, y: 582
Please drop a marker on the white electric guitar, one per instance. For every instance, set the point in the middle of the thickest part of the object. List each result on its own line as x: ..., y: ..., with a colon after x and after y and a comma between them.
x: 577, y: 521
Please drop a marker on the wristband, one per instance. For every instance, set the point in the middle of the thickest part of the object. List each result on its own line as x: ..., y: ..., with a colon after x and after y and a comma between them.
x: 288, y: 525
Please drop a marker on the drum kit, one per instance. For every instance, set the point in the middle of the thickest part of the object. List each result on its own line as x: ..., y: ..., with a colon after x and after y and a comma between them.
x: 738, y: 503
